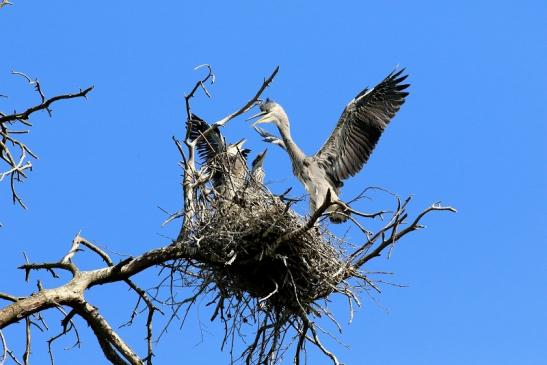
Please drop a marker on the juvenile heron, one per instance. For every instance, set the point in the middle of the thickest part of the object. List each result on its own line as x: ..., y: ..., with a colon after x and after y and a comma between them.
x: 348, y: 147
x: 257, y: 168
x: 227, y: 162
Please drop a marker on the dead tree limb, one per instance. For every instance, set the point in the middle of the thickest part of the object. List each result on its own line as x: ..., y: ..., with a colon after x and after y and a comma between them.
x: 14, y: 153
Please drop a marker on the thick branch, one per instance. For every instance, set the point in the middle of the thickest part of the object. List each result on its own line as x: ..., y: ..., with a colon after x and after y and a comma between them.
x: 73, y: 290
x: 103, y: 330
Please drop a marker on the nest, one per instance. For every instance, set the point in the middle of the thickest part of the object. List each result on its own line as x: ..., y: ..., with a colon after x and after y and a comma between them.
x: 269, y: 272
x: 263, y: 268
x: 262, y: 248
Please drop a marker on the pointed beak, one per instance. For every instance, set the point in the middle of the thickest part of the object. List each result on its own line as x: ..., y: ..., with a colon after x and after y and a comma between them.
x: 240, y: 143
x: 266, y: 118
x: 259, y: 159
x: 259, y: 114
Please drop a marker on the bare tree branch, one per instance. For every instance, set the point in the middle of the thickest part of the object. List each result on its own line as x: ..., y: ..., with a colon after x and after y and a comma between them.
x: 104, y: 331
x: 14, y: 154
x: 395, y: 236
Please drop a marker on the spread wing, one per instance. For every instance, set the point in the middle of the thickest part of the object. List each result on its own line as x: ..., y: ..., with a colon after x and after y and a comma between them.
x: 207, y: 147
x: 360, y: 127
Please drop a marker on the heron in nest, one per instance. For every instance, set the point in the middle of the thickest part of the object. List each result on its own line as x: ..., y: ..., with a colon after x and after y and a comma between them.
x: 257, y: 168
x: 227, y: 162
x: 349, y: 146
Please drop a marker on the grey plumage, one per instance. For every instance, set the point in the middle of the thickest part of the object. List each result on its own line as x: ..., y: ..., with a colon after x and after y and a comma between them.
x: 349, y: 146
x: 257, y: 168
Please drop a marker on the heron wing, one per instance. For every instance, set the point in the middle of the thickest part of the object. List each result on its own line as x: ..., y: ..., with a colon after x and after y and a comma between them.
x: 360, y: 127
x: 207, y: 147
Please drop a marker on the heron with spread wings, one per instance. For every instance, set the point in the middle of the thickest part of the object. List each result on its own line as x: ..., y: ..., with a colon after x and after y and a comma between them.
x: 226, y: 162
x: 349, y: 146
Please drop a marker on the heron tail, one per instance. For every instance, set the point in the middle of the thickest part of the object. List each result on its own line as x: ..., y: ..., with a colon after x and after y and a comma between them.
x: 338, y: 214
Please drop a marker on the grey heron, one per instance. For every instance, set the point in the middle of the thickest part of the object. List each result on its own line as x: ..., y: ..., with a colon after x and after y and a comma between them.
x: 349, y: 146
x: 227, y: 162
x: 257, y: 168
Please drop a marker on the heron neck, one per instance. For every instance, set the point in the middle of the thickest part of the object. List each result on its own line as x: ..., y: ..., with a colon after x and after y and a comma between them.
x: 296, y: 154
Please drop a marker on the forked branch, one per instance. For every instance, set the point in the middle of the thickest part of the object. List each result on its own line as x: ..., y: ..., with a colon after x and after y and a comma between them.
x: 14, y: 153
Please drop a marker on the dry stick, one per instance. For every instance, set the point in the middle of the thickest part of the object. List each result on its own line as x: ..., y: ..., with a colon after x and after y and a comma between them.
x: 413, y: 226
x: 315, y: 339
x: 300, y: 345
x: 49, y: 266
x: 9, y: 297
x: 26, y: 355
x: 4, y: 348
x: 370, y: 240
x: 44, y: 105
x: 16, y: 168
x: 37, y: 87
x: 323, y: 349
x: 259, y: 333
x: 64, y: 323
x: 13, y: 357
x: 200, y: 84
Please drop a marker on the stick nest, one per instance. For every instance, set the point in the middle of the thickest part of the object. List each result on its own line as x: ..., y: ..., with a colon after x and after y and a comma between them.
x: 262, y: 248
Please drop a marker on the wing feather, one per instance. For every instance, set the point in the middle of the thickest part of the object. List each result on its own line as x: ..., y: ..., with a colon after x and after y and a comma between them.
x: 207, y: 147
x: 360, y: 127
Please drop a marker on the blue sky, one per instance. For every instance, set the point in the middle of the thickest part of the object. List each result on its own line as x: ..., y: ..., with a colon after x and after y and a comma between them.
x: 472, y: 134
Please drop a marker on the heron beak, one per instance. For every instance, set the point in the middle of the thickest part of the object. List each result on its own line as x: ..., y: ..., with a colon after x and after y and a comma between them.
x: 259, y: 159
x: 261, y: 155
x: 240, y: 143
x: 259, y: 114
x: 266, y: 118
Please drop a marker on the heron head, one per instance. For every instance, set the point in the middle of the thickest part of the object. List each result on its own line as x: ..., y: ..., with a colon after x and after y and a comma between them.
x: 259, y: 159
x: 236, y: 148
x: 271, y: 112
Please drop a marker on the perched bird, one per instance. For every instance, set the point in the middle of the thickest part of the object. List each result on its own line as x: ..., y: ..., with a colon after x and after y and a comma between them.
x: 227, y: 162
x: 257, y: 168
x: 348, y: 147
